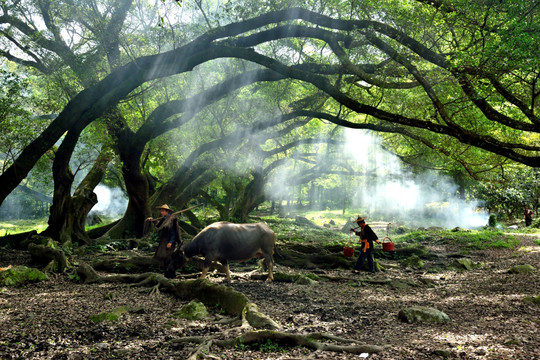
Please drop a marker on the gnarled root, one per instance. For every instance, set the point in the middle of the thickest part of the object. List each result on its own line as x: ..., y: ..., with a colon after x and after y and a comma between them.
x: 307, y: 340
x: 311, y: 341
x: 41, y: 253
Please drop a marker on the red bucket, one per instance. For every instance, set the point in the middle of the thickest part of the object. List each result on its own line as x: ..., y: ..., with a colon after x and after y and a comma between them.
x: 387, y: 244
x: 348, y: 251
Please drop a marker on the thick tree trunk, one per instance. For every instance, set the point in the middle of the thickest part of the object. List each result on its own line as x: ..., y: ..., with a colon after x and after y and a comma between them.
x: 130, y: 149
x: 68, y: 214
x: 131, y: 224
x: 252, y: 196
x: 84, y: 197
x: 60, y: 218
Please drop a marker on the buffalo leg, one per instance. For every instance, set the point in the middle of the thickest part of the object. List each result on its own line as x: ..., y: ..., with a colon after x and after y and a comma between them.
x: 225, y: 263
x: 206, y: 266
x: 269, y: 263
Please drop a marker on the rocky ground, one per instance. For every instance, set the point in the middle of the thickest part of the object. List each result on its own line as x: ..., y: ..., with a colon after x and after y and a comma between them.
x: 489, y: 317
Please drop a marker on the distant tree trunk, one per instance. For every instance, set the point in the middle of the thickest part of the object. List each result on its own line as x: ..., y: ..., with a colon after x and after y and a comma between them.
x: 184, y: 186
x: 252, y: 196
x: 223, y: 210
x: 312, y: 196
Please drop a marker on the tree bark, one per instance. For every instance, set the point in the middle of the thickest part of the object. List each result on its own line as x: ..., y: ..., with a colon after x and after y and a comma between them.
x: 132, y: 223
x: 84, y: 197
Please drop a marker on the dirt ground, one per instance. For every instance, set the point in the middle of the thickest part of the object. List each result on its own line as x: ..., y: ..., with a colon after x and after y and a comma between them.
x: 489, y: 317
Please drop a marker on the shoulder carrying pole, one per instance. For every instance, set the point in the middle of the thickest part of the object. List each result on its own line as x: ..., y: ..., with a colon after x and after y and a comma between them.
x: 181, y: 211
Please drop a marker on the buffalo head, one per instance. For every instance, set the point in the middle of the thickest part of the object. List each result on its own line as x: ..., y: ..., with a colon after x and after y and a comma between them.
x: 178, y: 260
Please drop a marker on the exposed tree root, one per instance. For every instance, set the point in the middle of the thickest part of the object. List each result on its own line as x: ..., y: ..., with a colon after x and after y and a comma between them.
x: 203, y: 352
x: 154, y: 291
x: 122, y: 264
x: 17, y: 241
x: 45, y: 254
x: 311, y: 341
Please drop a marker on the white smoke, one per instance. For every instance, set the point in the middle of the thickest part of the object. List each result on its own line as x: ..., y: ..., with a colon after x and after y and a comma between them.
x: 384, y: 190
x: 111, y: 202
x: 424, y: 200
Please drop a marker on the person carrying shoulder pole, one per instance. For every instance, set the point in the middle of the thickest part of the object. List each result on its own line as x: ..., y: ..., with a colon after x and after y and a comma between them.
x: 367, y: 237
x: 169, y: 237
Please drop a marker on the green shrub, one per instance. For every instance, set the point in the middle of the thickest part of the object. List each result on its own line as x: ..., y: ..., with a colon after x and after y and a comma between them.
x: 492, y: 222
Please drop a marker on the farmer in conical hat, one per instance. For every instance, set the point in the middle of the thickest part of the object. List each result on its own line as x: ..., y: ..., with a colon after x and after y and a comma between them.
x: 169, y: 237
x: 367, y: 237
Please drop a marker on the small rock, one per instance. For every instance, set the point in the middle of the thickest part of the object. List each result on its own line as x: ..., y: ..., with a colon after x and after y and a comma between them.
x: 465, y: 264
x: 522, y: 269
x: 513, y: 341
x: 194, y: 310
x: 413, y: 261
x: 481, y: 352
x: 442, y: 353
x: 304, y: 280
x: 21, y: 275
x: 422, y: 314
x: 102, y: 346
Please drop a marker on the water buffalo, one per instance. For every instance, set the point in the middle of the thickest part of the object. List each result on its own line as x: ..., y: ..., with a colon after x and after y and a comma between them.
x: 225, y: 241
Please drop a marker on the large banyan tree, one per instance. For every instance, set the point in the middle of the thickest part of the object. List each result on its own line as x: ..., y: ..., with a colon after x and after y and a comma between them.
x: 453, y: 77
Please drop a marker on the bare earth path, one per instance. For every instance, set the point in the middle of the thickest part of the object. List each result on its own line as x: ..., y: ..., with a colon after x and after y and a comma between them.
x: 489, y: 317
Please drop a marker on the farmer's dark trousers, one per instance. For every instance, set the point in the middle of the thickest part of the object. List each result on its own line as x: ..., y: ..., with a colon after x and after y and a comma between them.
x: 360, y: 262
x: 169, y: 273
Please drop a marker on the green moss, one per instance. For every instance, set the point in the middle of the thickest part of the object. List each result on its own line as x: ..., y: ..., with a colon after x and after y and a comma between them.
x: 465, y: 264
x: 21, y: 275
x: 288, y: 278
x: 413, y: 261
x: 231, y: 301
x: 194, y: 310
x: 532, y: 299
x: 313, y: 277
x: 522, y: 269
x: 111, y: 316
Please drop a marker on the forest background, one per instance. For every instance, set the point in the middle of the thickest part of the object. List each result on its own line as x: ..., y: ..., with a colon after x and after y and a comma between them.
x: 420, y: 114
x: 238, y: 104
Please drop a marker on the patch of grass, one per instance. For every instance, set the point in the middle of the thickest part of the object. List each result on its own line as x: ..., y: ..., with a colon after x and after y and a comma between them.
x: 321, y: 217
x: 267, y: 347
x: 469, y: 239
x: 288, y: 230
x: 271, y: 347
x: 10, y: 227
